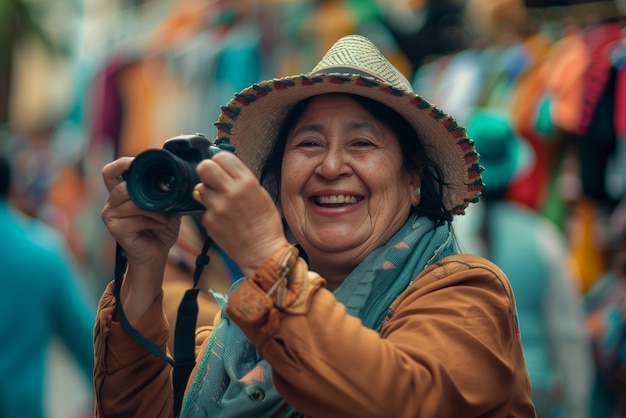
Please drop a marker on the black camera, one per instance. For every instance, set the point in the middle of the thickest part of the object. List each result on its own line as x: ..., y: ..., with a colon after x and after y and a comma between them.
x: 162, y: 180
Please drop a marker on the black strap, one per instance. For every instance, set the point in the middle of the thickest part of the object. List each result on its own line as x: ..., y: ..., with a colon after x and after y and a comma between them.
x: 185, y: 335
x: 184, y: 340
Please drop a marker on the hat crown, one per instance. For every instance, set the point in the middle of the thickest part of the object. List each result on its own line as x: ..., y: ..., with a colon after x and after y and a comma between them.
x: 355, y: 54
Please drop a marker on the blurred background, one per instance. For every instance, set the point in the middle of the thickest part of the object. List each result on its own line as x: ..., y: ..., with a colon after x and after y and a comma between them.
x: 83, y: 82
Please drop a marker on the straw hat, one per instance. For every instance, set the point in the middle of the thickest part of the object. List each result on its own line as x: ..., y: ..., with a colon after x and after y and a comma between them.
x: 251, y: 120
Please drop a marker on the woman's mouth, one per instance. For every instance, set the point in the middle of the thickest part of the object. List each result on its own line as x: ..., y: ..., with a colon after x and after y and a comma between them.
x: 336, y: 200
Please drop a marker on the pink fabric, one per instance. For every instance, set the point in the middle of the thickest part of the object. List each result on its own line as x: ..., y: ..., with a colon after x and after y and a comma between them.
x: 599, y: 69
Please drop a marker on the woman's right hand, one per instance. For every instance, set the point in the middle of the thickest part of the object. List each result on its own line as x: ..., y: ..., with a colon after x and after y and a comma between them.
x: 146, y: 238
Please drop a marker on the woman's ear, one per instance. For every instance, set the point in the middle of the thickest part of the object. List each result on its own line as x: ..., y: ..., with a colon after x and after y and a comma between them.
x: 415, y: 189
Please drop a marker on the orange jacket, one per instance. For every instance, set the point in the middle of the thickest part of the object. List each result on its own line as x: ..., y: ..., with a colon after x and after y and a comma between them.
x: 451, y: 349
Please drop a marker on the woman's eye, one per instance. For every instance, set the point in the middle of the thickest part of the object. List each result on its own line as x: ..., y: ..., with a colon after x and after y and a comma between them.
x: 308, y: 144
x: 360, y: 143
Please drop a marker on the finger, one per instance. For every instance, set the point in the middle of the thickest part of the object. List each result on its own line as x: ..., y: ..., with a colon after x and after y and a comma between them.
x: 126, y: 221
x: 231, y: 164
x: 211, y: 174
x: 112, y: 172
x: 118, y: 193
x: 119, y: 205
x: 130, y: 224
x: 222, y: 169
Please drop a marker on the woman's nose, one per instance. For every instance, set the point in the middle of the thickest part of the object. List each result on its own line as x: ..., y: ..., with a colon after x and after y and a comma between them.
x: 334, y: 163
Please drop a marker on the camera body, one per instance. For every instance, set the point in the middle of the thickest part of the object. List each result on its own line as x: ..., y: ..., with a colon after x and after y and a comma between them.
x: 162, y: 180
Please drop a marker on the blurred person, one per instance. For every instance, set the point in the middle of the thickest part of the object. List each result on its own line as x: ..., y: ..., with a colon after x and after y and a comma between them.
x: 606, y: 304
x: 338, y: 209
x: 532, y: 252
x: 49, y: 184
x: 42, y: 298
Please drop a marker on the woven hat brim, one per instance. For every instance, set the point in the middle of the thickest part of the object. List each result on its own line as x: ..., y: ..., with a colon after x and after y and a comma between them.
x: 251, y: 120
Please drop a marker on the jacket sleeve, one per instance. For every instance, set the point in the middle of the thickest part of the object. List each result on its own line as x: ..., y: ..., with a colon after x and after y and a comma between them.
x: 450, y: 348
x: 128, y: 380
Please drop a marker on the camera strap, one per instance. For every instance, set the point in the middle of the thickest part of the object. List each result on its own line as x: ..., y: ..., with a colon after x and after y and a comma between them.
x: 184, y: 338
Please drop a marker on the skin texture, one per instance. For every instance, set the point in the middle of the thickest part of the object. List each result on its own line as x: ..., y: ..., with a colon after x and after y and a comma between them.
x: 338, y: 148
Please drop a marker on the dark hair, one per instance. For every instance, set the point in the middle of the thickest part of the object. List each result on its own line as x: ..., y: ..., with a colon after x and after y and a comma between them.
x: 5, y: 176
x: 414, y: 157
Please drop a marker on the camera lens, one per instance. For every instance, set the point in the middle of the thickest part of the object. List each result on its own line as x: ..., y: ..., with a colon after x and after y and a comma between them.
x: 165, y: 182
x: 159, y: 181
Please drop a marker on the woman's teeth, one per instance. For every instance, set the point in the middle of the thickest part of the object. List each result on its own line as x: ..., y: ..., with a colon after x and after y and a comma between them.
x: 336, y: 199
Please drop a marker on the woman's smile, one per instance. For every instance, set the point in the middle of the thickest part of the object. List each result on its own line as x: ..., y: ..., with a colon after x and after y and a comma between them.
x: 335, y: 204
x: 336, y: 200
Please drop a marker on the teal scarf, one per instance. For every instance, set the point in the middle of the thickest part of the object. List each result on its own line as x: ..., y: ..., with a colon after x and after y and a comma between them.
x: 232, y: 380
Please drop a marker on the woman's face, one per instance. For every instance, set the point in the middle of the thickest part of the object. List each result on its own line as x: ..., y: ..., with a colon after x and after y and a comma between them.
x: 344, y: 191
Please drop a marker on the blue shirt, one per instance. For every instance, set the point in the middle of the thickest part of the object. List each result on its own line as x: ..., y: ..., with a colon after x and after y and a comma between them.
x: 42, y: 296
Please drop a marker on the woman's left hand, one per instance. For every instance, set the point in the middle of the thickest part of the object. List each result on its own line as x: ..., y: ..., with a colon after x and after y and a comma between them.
x: 240, y: 215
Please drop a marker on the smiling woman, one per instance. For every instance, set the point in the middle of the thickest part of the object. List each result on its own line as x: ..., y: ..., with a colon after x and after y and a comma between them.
x: 413, y: 156
x: 338, y: 148
x: 338, y: 209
